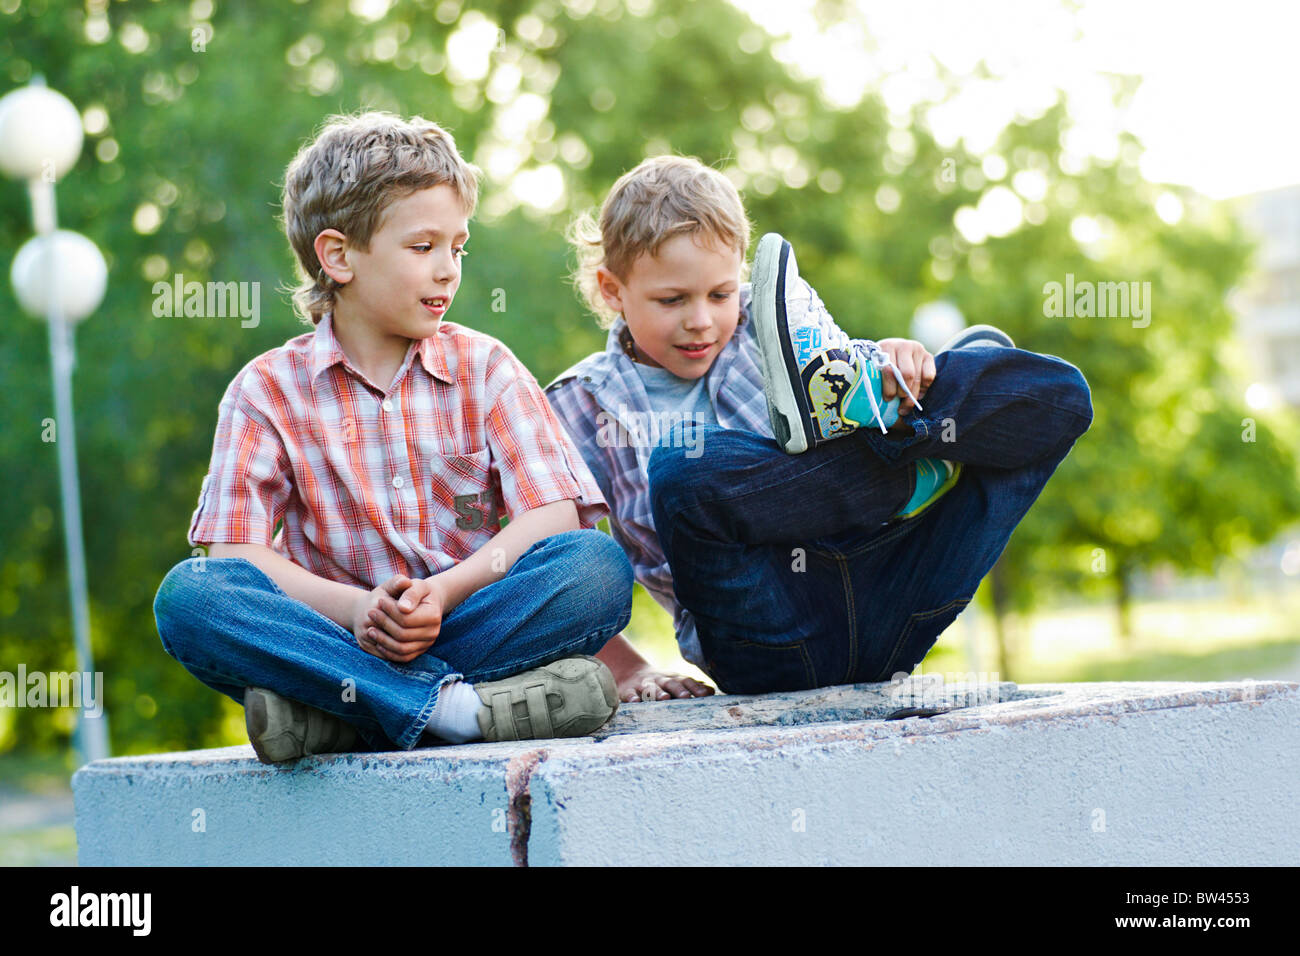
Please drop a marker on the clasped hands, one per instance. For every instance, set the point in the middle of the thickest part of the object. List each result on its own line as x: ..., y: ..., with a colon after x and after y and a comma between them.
x: 399, y: 620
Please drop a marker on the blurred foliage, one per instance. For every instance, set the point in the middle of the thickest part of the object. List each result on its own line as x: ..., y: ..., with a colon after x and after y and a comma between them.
x: 206, y: 103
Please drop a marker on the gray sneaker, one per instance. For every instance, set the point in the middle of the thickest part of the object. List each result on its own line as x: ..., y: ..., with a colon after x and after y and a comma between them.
x: 983, y: 335
x: 571, y: 697
x: 281, y: 729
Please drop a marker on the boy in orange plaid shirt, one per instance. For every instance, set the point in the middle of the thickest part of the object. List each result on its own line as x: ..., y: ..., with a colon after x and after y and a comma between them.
x: 359, y: 584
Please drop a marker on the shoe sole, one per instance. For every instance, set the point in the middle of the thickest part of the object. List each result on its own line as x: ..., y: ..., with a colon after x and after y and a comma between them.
x: 577, y: 725
x: 257, y: 720
x: 977, y: 333
x: 289, y: 743
x: 785, y: 411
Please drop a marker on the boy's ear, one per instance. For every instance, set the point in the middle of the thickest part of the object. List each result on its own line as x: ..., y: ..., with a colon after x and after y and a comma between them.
x: 331, y: 249
x: 611, y: 289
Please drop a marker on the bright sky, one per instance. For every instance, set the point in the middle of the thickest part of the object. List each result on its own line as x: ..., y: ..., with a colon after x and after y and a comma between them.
x: 1216, y: 109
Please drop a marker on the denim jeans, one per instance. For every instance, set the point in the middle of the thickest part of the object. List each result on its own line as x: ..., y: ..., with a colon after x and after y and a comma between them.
x: 233, y: 627
x: 783, y: 560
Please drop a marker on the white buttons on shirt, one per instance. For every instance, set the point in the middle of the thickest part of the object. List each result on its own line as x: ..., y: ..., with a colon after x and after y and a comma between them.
x: 398, y: 482
x: 388, y: 405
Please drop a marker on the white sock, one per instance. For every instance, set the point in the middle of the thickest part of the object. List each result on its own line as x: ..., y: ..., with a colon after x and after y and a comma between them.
x: 455, y: 716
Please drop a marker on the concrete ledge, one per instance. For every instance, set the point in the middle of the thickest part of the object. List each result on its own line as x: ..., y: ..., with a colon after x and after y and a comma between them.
x: 1093, y: 774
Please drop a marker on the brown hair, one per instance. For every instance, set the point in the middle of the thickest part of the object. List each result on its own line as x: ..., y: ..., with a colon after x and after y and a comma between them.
x: 349, y: 174
x: 663, y: 197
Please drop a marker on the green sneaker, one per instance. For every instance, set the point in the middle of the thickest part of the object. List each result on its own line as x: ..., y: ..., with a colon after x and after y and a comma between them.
x: 281, y: 729
x: 934, y: 476
x: 571, y: 697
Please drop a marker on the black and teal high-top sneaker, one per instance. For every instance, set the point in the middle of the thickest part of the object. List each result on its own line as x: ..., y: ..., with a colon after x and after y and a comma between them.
x: 820, y: 384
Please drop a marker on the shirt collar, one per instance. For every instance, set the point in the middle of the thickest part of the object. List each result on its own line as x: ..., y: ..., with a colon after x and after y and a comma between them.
x: 614, y: 341
x: 434, y: 357
x: 597, y: 366
x: 325, y: 348
x: 326, y: 351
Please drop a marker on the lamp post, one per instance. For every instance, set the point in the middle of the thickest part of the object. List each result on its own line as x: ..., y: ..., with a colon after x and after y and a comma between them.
x: 60, y: 275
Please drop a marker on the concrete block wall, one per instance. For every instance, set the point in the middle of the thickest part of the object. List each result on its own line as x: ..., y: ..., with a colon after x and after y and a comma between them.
x: 1080, y: 774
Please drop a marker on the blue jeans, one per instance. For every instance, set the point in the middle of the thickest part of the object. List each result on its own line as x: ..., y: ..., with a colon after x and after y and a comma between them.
x: 232, y: 627
x: 783, y: 560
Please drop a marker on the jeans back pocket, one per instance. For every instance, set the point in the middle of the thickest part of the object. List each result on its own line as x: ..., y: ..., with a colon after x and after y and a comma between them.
x: 746, y: 667
x: 919, y: 635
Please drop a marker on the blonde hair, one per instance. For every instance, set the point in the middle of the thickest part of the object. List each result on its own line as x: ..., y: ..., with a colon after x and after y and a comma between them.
x: 663, y: 197
x: 349, y: 174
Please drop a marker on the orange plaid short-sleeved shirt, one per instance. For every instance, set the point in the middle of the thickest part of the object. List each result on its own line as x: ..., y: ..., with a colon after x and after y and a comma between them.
x: 364, y: 484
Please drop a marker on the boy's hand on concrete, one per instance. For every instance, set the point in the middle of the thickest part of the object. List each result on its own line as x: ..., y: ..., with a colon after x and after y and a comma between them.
x: 655, y: 685
x: 401, y: 618
x: 915, y: 364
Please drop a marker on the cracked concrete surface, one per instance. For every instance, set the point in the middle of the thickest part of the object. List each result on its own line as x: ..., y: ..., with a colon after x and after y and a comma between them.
x: 1097, y: 774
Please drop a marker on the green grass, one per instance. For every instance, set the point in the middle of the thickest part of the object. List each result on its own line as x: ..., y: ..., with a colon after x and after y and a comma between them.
x: 1200, y: 639
x: 37, y: 772
x: 25, y: 776
x: 48, y: 846
x: 1254, y: 660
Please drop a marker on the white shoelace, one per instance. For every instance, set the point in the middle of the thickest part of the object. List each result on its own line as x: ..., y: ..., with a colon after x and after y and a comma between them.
x: 800, y: 296
x: 833, y: 336
x: 881, y: 359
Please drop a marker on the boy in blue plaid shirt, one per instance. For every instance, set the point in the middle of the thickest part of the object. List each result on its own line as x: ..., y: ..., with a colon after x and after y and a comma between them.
x: 779, y: 487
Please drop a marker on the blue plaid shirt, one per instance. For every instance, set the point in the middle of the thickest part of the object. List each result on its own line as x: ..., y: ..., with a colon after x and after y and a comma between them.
x: 608, y: 382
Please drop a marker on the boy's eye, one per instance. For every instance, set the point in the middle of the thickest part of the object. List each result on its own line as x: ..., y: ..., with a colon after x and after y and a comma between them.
x: 671, y: 300
x: 722, y: 296
x: 459, y: 252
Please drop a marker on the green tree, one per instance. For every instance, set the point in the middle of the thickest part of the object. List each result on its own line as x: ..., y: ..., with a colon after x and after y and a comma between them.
x: 1168, y: 473
x: 200, y: 116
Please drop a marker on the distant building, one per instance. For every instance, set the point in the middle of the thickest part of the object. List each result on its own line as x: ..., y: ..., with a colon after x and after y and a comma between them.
x: 1269, y: 304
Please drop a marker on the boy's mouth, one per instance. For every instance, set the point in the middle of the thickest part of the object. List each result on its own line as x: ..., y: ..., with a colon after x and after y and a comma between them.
x: 436, y: 304
x: 694, y: 349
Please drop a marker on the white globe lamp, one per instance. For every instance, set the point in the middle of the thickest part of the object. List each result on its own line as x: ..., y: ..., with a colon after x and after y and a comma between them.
x: 63, y: 266
x: 40, y: 133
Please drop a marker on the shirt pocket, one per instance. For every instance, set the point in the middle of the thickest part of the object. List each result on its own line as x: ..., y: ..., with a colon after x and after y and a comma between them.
x: 465, y: 501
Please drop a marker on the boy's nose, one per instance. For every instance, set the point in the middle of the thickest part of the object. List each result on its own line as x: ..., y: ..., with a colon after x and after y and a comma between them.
x: 698, y: 318
x: 444, y: 269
